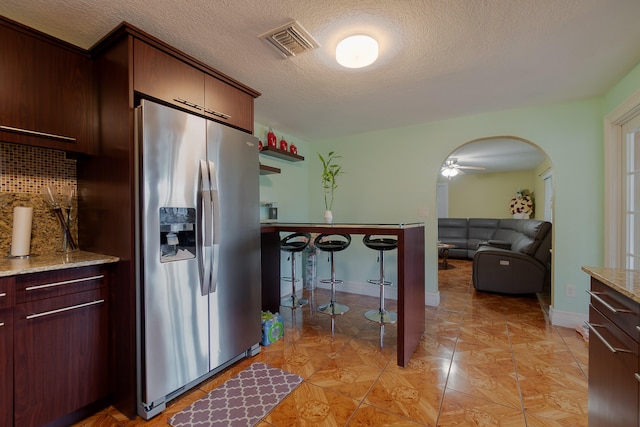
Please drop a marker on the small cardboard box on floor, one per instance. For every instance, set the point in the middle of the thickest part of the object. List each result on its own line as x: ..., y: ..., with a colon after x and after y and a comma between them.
x: 272, y: 327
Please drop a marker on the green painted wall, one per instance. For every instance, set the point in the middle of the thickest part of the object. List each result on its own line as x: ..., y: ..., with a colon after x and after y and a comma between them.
x: 622, y: 90
x: 288, y: 190
x: 391, y: 176
x: 391, y: 182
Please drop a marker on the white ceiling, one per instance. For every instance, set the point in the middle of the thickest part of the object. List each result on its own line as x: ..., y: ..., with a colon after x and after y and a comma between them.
x: 438, y: 58
x: 498, y: 155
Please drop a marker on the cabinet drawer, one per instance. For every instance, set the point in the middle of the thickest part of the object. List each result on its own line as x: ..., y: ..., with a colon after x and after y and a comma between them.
x: 32, y: 287
x: 7, y: 293
x: 621, y: 310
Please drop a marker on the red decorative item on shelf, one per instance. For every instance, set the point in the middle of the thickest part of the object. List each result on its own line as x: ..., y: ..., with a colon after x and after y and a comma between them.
x: 283, y: 145
x: 293, y: 149
x: 271, y: 139
x: 259, y: 145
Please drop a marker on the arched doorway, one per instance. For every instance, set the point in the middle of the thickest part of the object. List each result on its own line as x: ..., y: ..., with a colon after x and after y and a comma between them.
x: 487, y: 175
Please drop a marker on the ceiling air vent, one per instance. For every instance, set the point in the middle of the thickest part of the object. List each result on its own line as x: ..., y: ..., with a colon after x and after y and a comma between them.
x: 290, y: 39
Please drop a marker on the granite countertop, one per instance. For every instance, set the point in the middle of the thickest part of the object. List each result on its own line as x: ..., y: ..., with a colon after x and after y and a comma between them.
x: 53, y: 261
x: 627, y: 282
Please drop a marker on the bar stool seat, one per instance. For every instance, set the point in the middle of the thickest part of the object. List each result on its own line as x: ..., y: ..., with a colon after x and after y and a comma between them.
x: 380, y: 244
x: 294, y: 243
x: 332, y: 243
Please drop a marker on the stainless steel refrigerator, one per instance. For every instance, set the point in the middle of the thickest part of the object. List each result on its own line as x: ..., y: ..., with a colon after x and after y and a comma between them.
x: 199, y: 296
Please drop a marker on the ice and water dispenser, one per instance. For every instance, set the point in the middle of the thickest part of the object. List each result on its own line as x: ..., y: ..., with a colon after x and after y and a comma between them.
x: 177, y: 234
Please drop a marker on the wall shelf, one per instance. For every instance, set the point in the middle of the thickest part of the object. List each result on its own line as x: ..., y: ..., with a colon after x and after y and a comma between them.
x: 281, y: 154
x: 268, y: 170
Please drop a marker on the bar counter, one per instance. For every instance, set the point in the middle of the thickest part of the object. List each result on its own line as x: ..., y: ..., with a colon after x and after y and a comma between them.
x: 411, y: 294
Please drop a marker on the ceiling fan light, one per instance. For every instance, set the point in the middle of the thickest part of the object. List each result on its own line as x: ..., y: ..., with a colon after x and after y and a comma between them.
x: 357, y: 51
x: 449, y: 172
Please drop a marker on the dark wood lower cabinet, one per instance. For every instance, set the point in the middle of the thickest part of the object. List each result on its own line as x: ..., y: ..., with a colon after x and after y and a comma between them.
x: 6, y: 366
x: 61, y: 356
x: 55, y: 352
x: 614, y: 387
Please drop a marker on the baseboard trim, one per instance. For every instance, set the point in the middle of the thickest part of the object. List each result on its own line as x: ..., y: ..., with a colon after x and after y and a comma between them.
x: 567, y: 319
x: 390, y: 292
x: 432, y: 299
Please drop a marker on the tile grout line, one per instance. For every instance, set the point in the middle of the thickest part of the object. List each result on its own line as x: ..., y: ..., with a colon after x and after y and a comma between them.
x: 515, y: 370
x: 444, y: 391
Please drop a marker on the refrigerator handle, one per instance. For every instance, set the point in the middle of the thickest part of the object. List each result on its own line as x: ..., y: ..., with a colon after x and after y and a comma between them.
x: 205, y: 256
x: 215, y: 225
x: 215, y: 200
x: 207, y: 209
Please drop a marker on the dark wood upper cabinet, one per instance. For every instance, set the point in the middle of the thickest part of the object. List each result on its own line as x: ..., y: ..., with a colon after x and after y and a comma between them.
x: 227, y: 104
x: 46, y: 90
x: 162, y: 76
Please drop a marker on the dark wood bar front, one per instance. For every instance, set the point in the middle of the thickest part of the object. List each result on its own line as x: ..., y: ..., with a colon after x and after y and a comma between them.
x: 411, y: 294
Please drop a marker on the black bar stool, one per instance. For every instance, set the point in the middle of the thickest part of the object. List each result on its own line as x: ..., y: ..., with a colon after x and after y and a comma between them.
x: 294, y: 243
x: 332, y: 243
x: 380, y: 244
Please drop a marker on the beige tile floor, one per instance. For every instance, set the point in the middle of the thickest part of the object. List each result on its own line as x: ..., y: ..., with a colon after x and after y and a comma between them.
x: 485, y: 360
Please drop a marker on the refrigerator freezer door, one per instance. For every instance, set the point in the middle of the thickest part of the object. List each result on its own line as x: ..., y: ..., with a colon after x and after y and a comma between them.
x: 173, y: 312
x: 236, y: 303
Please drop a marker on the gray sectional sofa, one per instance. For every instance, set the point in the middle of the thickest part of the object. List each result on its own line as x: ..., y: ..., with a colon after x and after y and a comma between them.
x: 509, y: 255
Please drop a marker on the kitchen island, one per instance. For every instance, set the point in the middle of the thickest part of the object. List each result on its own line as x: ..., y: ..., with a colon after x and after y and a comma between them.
x: 411, y: 293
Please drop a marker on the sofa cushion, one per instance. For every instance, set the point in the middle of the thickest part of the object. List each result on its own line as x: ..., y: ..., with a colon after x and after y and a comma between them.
x: 449, y: 228
x: 480, y: 230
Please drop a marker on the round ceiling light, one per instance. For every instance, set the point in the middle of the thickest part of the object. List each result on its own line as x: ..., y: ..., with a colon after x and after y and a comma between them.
x: 357, y: 51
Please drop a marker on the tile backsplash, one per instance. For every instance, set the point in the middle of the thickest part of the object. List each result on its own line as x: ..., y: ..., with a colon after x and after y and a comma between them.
x: 24, y: 171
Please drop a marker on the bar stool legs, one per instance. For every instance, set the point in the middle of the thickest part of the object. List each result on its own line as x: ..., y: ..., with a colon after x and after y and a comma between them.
x: 381, y: 315
x: 333, y: 308
x: 293, y: 244
x: 332, y: 243
x: 293, y: 301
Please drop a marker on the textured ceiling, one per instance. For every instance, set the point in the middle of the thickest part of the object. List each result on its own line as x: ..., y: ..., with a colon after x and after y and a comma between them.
x: 438, y: 58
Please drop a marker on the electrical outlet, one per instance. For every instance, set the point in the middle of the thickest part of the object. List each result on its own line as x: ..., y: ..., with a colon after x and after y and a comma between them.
x: 570, y: 290
x: 423, y: 212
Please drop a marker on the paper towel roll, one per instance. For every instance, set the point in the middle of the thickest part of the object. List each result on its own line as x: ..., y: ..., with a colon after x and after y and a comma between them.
x: 21, y: 238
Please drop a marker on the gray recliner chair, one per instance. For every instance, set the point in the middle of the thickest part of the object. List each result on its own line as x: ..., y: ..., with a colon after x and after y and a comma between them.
x: 517, y: 260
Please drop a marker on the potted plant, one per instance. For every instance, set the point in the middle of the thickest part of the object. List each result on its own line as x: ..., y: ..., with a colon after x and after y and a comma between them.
x: 330, y: 171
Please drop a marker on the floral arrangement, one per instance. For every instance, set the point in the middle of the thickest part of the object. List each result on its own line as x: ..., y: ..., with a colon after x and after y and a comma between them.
x: 521, y: 204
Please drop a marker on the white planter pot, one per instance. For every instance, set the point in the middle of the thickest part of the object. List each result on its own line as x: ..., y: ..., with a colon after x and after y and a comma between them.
x: 328, y: 217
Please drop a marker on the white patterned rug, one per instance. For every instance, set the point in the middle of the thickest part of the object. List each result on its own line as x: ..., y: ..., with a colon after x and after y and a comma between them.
x: 241, y: 401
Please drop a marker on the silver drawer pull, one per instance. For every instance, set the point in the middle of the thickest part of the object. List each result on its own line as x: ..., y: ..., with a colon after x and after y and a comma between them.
x: 217, y: 113
x: 66, y: 282
x: 60, y: 310
x: 596, y: 296
x: 4, y: 294
x: 637, y: 377
x: 2, y: 324
x: 612, y: 349
x: 36, y: 133
x: 188, y: 103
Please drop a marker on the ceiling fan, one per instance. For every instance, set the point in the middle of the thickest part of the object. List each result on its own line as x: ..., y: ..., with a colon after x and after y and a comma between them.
x: 452, y: 168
